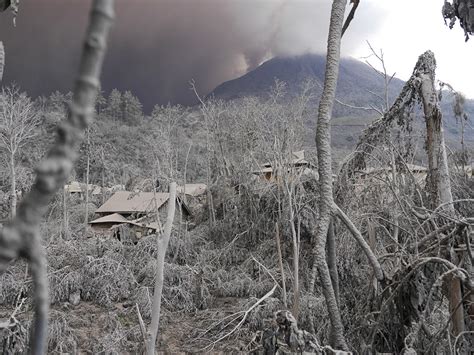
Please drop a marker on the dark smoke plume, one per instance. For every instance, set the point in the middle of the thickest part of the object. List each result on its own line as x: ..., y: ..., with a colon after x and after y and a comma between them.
x: 158, y: 46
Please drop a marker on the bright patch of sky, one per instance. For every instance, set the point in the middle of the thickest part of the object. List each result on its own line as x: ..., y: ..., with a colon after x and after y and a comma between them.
x: 409, y: 28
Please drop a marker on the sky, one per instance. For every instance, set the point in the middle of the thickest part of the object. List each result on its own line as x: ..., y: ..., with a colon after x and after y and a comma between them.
x: 409, y: 29
x: 158, y: 46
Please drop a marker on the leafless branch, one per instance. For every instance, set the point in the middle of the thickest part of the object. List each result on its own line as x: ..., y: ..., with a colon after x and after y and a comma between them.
x: 21, y: 236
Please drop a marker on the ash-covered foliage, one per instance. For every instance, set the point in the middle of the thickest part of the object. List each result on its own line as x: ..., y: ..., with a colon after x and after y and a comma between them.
x: 225, y: 258
x: 462, y: 10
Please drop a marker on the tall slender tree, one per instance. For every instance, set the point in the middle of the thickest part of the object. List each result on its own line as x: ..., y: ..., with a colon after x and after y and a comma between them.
x: 323, y: 145
x: 2, y: 60
x: 18, y: 122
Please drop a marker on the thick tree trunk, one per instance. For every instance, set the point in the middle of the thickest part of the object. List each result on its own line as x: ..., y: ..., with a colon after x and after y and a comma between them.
x: 323, y: 145
x: 13, y: 186
x: 332, y: 259
x: 439, y: 184
x: 438, y: 181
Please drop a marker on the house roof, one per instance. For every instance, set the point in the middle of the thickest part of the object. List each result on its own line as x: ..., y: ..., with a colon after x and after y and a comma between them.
x: 127, y: 202
x: 297, y: 159
x: 132, y: 202
x: 192, y: 189
x: 111, y: 218
x: 411, y: 167
x: 151, y: 225
x: 77, y: 187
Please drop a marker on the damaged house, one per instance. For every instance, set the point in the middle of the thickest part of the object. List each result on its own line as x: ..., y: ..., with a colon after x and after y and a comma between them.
x: 295, y: 165
x: 131, y: 215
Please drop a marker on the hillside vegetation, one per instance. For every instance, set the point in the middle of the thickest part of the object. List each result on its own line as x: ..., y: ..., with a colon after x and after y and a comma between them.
x: 359, y: 244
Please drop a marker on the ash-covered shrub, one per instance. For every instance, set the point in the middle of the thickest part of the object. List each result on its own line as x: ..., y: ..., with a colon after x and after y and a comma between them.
x: 62, y: 338
x: 261, y: 317
x: 107, y: 279
x: 64, y: 283
x: 14, y: 284
x: 14, y: 338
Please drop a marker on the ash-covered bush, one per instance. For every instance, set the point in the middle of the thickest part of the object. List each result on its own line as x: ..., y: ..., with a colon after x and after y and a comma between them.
x: 107, y: 279
x: 62, y: 338
x: 14, y: 284
x: 14, y: 338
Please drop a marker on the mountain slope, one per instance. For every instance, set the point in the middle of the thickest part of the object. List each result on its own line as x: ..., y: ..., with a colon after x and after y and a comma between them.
x: 358, y: 85
x: 356, y: 79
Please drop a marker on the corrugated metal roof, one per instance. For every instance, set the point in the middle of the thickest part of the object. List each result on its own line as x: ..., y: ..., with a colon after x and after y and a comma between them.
x: 111, y: 218
x: 132, y: 202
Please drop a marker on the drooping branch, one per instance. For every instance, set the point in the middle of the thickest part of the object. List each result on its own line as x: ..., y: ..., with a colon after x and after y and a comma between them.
x: 420, y: 86
x: 20, y: 237
x: 350, y: 17
x: 378, y: 271
x: 462, y: 10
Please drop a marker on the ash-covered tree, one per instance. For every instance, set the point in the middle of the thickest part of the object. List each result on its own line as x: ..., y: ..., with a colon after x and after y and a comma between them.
x: 18, y: 122
x: 132, y: 109
x: 114, y: 102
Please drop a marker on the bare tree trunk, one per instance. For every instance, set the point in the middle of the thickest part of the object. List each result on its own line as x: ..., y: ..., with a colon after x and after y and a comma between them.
x: 439, y: 184
x: 13, y: 185
x: 2, y: 60
x: 86, y: 217
x: 290, y: 190
x: 332, y: 260
x: 438, y: 181
x: 102, y: 188
x: 456, y: 306
x: 65, y: 216
x: 280, y: 263
x: 296, y: 291
x: 323, y: 145
x: 378, y: 271
x: 162, y: 247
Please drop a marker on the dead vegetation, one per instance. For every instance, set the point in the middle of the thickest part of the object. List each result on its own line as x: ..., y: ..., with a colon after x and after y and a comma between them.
x: 392, y: 249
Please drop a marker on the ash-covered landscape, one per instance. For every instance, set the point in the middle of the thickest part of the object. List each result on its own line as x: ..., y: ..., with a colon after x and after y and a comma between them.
x: 221, y: 177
